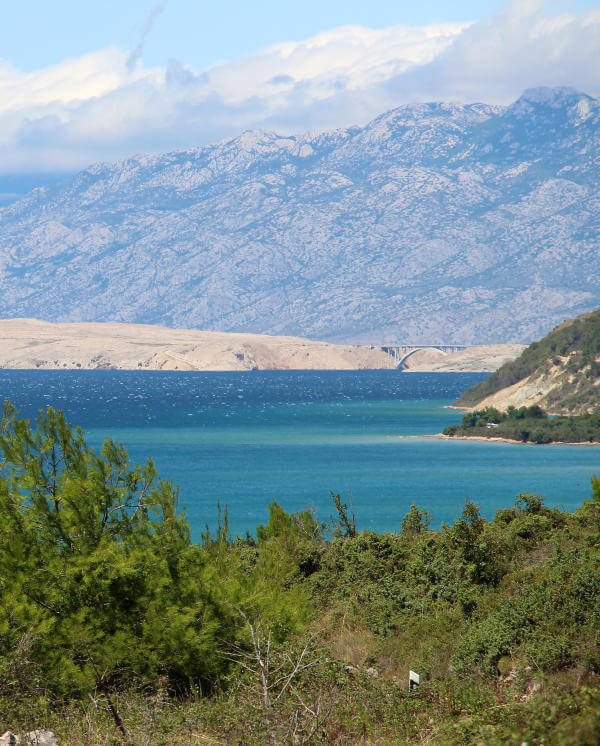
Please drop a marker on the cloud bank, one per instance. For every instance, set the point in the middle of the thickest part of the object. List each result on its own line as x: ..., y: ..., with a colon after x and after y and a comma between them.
x: 106, y: 105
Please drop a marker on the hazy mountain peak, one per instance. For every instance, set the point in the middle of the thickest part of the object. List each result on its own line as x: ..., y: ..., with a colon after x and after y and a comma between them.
x: 252, y: 138
x: 549, y: 96
x: 560, y: 100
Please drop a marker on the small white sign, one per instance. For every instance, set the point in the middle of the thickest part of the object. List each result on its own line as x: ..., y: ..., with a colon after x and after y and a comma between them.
x: 413, y: 680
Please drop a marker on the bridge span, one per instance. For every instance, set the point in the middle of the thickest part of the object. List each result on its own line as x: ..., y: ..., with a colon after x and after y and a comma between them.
x: 401, y: 352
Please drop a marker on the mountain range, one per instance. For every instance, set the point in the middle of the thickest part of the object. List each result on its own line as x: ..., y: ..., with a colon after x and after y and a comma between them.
x: 435, y: 222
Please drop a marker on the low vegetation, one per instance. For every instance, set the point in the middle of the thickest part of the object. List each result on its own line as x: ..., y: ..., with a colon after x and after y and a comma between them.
x: 116, y: 628
x: 527, y: 425
x: 572, y: 351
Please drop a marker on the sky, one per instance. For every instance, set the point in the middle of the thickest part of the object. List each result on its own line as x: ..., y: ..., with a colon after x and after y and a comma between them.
x: 98, y: 81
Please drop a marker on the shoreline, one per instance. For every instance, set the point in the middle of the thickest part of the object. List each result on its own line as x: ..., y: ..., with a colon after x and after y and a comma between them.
x: 441, y: 436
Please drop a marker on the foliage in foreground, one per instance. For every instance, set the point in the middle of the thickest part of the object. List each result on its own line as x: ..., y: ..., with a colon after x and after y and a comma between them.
x: 528, y: 425
x: 113, y: 624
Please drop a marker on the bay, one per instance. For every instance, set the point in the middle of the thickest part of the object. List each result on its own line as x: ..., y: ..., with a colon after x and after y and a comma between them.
x: 244, y: 439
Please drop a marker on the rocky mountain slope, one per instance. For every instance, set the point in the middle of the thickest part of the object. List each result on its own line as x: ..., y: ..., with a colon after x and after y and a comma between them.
x: 433, y: 223
x: 561, y: 373
x: 30, y: 344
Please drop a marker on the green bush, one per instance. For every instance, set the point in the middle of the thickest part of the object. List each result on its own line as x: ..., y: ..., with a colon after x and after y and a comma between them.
x: 96, y: 564
x: 528, y: 424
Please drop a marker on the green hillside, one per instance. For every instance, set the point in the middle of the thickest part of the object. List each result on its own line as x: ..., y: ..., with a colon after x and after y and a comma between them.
x: 570, y: 353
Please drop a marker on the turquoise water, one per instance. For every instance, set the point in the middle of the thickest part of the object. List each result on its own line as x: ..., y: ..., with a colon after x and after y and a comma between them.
x: 244, y: 439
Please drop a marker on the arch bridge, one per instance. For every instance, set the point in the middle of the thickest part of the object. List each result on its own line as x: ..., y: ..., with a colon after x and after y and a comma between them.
x: 401, y: 352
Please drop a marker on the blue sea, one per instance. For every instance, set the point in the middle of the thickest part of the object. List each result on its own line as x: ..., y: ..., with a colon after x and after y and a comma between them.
x: 245, y: 439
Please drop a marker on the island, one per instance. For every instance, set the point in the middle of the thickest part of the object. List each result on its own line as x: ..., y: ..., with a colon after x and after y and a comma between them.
x: 34, y: 344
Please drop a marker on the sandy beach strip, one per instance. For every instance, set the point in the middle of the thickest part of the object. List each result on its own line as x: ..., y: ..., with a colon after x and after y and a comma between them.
x: 492, y: 439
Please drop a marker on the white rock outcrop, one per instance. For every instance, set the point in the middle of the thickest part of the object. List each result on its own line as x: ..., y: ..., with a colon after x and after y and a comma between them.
x: 33, y: 738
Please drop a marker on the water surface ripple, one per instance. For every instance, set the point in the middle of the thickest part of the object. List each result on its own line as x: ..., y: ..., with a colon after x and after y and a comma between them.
x: 245, y: 439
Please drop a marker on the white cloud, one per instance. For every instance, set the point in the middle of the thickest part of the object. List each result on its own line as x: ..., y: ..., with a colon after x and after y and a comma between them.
x: 101, y: 106
x: 354, y: 55
x: 518, y: 47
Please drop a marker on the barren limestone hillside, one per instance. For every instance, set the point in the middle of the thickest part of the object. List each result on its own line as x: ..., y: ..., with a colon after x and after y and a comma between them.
x: 28, y: 343
x: 485, y: 358
x: 439, y: 222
